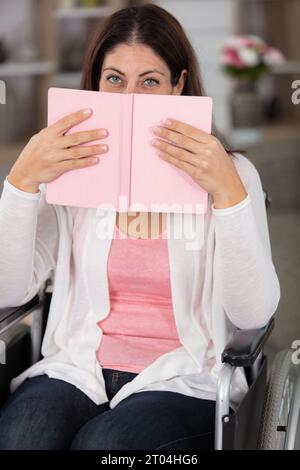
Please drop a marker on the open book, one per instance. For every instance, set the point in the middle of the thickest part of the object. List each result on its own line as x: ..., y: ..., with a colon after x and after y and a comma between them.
x: 130, y: 176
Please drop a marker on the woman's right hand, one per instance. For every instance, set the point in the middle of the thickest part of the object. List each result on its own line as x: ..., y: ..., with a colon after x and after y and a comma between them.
x: 49, y: 153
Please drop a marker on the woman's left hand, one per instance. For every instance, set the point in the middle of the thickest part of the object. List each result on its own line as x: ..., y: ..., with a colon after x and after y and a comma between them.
x: 203, y: 157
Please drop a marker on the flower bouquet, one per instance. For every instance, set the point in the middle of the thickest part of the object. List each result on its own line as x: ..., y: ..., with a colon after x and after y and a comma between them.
x: 247, y: 59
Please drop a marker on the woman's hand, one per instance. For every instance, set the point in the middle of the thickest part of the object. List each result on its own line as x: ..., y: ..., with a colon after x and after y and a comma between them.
x: 49, y: 153
x: 204, y: 158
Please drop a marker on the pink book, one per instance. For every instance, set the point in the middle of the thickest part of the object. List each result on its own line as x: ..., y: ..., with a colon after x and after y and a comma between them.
x: 130, y: 176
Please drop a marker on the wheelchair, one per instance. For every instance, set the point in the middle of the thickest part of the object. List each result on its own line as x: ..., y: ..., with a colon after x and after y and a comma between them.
x: 268, y: 416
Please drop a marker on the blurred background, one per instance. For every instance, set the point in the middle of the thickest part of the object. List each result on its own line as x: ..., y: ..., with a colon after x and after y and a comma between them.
x: 42, y: 44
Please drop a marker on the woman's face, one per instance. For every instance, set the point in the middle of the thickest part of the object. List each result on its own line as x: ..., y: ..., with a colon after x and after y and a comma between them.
x: 137, y: 69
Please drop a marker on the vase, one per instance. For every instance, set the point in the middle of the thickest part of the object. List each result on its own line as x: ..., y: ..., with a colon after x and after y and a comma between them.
x: 246, y: 105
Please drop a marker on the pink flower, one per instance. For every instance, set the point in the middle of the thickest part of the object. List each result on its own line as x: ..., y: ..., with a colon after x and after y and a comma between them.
x: 250, y: 41
x: 230, y: 57
x: 273, y: 56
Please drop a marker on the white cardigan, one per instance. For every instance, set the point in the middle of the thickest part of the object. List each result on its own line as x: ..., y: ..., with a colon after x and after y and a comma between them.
x: 221, y: 274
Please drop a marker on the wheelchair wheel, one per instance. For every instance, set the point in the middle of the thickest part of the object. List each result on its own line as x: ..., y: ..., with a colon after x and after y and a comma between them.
x: 280, y: 425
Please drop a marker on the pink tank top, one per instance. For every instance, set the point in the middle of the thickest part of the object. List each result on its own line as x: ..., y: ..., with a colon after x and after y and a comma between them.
x: 140, y: 326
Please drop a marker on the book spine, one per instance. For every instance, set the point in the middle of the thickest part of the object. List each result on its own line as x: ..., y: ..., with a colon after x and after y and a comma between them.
x: 125, y: 151
x: 131, y: 137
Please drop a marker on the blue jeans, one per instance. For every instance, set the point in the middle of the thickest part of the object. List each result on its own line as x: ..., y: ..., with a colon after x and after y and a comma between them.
x: 46, y: 413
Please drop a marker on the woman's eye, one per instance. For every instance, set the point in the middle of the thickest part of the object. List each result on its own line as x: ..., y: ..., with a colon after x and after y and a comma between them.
x: 112, y: 76
x: 153, y: 80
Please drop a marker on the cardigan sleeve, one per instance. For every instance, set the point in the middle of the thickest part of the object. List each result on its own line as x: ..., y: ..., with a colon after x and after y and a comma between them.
x: 250, y: 287
x: 28, y: 244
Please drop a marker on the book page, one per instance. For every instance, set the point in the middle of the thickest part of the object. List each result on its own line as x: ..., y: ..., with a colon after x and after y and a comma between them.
x: 96, y: 184
x: 156, y: 184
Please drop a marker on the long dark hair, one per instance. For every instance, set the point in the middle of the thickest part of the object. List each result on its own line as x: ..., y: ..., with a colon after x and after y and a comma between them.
x: 155, y: 27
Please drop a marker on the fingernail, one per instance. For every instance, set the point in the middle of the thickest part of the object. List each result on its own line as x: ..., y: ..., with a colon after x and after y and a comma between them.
x: 166, y: 122
x: 87, y: 111
x: 102, y: 132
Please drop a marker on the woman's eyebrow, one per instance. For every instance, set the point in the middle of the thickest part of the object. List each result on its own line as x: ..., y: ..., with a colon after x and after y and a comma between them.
x: 141, y: 74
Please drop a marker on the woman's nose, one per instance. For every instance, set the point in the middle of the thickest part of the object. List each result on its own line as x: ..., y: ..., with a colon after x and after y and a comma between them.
x: 131, y: 89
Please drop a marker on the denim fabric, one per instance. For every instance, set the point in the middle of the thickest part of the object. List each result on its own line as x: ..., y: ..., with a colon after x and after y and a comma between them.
x: 47, y: 413
x: 115, y: 379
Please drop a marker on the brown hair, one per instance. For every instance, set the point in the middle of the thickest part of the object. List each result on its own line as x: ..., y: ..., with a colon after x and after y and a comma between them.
x: 153, y: 26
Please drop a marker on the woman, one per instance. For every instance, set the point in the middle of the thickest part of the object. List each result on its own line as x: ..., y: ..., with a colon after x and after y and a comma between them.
x: 132, y: 362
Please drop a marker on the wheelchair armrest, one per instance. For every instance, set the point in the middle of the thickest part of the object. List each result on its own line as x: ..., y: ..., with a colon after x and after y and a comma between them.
x: 12, y: 315
x: 245, y: 345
